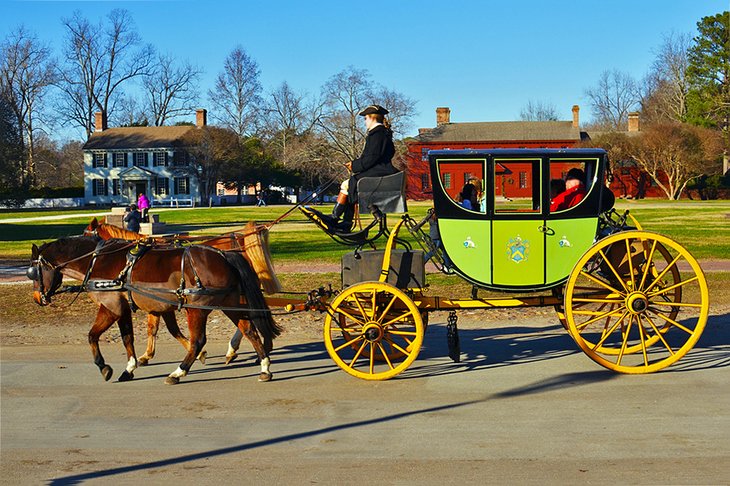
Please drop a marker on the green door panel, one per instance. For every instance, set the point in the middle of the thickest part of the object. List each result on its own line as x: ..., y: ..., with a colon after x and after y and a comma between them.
x: 467, y: 245
x: 566, y: 243
x: 518, y: 251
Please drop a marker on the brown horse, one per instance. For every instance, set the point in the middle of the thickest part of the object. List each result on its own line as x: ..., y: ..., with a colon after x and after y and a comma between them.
x: 197, y: 278
x: 252, y: 243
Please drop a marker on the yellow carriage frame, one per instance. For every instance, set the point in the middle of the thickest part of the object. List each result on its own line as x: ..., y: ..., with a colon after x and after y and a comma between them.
x: 620, y: 304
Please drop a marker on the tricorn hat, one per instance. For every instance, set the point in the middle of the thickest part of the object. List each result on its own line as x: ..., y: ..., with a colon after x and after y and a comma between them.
x: 373, y: 110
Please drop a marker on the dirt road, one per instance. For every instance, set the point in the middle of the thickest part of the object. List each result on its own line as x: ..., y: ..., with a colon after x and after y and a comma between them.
x: 522, y: 407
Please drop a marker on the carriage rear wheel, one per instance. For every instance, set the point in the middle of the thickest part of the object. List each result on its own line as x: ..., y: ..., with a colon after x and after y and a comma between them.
x: 636, y: 302
x: 373, y: 331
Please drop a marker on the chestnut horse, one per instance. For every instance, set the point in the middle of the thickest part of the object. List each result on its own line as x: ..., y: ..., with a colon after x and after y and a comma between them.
x: 197, y: 278
x: 246, y: 243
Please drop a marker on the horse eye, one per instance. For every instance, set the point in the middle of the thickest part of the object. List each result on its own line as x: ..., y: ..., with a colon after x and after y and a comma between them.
x: 32, y: 273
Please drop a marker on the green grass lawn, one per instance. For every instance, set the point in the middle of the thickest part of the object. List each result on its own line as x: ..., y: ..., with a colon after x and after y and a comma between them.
x: 701, y: 226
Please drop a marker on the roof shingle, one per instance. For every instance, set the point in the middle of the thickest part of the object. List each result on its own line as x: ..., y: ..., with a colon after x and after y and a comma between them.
x: 137, y: 138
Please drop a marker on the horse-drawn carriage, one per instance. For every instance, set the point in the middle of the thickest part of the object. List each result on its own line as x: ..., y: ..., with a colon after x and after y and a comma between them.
x: 633, y: 301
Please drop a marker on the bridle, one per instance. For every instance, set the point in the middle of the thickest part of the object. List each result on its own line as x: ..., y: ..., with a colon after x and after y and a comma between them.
x: 35, y: 273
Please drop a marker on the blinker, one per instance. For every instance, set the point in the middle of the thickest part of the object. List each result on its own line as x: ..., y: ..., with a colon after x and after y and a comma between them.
x: 32, y: 273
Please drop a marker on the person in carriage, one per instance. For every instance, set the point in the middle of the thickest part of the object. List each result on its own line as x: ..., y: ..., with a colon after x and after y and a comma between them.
x: 375, y: 161
x: 575, y: 191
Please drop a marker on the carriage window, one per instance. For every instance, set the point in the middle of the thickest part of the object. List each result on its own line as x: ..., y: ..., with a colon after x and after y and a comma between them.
x: 570, y: 181
x: 470, y: 194
x: 517, y: 186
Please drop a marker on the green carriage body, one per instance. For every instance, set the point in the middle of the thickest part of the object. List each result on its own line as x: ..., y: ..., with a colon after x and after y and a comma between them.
x: 516, y: 243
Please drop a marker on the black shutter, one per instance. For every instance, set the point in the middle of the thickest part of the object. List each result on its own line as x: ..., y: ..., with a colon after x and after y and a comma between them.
x: 187, y: 185
x: 126, y: 158
x: 175, y: 186
x: 146, y: 159
x: 167, y: 184
x: 93, y: 187
x: 166, y: 157
x: 106, y: 187
x: 106, y: 160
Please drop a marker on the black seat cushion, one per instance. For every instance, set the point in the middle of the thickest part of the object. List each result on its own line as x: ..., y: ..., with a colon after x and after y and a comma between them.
x: 387, y: 193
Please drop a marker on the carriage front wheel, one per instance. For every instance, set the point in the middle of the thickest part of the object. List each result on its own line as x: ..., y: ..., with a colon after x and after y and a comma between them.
x: 636, y: 302
x: 373, y: 330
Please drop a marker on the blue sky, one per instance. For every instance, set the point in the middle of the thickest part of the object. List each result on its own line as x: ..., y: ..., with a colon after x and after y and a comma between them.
x: 483, y: 59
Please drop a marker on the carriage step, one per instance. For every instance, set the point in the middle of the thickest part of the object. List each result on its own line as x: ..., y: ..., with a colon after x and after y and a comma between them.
x: 452, y: 337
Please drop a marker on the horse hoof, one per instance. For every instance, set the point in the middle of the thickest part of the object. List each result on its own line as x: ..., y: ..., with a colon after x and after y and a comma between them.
x: 143, y: 361
x: 230, y: 358
x: 202, y: 356
x: 106, y: 372
x: 126, y: 376
x: 172, y: 380
x: 265, y: 377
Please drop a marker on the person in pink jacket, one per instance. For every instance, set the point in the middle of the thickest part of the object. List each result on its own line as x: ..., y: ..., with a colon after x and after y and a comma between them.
x: 144, y: 205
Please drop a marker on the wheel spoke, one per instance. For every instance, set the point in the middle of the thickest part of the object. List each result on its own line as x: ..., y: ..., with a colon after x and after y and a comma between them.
x: 396, y: 346
x: 602, y: 284
x: 402, y: 333
x: 357, y: 355
x: 597, y: 301
x: 399, y: 318
x: 663, y: 272
x: 660, y: 334
x: 385, y: 312
x: 625, y: 341
x: 667, y: 289
x: 648, y: 265
x: 372, y: 358
x: 642, y: 336
x: 363, y: 312
x: 349, y: 343
x: 351, y: 317
x: 613, y: 328
x: 675, y: 304
x: 631, y: 265
x: 613, y: 270
x: 672, y: 322
x: 583, y: 325
x: 385, y: 355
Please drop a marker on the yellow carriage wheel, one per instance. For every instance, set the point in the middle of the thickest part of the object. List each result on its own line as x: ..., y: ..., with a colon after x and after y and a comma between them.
x: 636, y: 302
x: 373, y: 331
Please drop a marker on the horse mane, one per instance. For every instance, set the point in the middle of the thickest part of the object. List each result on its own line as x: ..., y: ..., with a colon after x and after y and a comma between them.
x: 66, y: 243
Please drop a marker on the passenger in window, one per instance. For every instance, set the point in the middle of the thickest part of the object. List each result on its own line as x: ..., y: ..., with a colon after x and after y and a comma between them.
x: 557, y: 186
x: 468, y: 197
x: 575, y: 191
x: 481, y: 198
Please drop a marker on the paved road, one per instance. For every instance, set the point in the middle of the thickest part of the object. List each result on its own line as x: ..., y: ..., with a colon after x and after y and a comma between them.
x: 523, y: 407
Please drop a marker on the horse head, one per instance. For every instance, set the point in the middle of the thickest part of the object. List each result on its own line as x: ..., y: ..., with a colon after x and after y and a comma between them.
x: 93, y: 228
x: 45, y: 275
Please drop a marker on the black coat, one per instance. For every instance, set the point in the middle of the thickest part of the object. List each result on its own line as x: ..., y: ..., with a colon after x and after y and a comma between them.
x: 375, y: 160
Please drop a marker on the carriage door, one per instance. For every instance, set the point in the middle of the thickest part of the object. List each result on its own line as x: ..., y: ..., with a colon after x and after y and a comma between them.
x: 518, y: 244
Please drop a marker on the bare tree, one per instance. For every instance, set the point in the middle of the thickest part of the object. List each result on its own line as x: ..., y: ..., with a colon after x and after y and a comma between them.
x: 666, y: 88
x: 344, y: 95
x: 129, y: 112
x: 100, y: 59
x: 615, y: 96
x: 27, y: 72
x: 539, y: 111
x: 171, y: 89
x: 674, y: 154
x: 288, y: 114
x: 236, y: 96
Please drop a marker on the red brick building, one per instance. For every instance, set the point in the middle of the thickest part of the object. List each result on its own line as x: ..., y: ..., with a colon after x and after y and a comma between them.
x: 629, y: 180
x: 480, y: 135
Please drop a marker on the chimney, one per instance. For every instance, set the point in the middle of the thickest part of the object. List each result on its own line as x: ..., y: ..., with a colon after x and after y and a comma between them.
x: 100, y: 121
x: 201, y: 118
x: 634, y: 121
x: 576, y: 118
x: 443, y: 116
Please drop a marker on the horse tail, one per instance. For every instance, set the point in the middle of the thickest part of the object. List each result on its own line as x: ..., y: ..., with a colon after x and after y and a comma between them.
x: 251, y: 289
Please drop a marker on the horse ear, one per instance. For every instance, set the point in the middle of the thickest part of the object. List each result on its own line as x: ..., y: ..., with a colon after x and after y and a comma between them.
x: 94, y: 223
x: 34, y: 252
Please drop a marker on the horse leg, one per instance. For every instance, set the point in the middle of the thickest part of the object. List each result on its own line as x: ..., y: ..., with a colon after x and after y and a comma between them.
x: 153, y: 325
x: 127, y: 330
x: 172, y: 326
x: 248, y: 330
x: 197, y: 319
x: 104, y: 319
x: 233, y: 346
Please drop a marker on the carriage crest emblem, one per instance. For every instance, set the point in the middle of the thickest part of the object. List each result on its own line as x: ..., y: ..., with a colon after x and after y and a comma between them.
x: 518, y: 249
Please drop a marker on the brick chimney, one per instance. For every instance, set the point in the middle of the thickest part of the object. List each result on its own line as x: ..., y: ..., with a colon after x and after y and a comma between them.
x: 634, y: 121
x: 443, y: 115
x: 201, y: 118
x: 100, y: 121
x: 576, y: 117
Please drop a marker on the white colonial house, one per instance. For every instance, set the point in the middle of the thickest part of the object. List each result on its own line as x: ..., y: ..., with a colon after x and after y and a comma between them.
x: 121, y: 163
